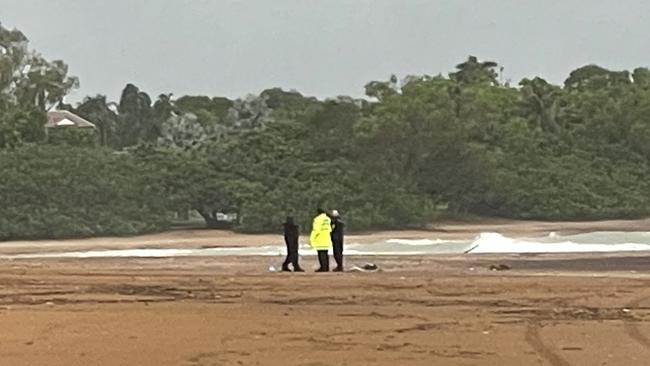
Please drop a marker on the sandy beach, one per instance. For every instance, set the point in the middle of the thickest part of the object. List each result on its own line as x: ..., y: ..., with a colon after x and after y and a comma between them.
x: 555, y: 310
x: 550, y: 309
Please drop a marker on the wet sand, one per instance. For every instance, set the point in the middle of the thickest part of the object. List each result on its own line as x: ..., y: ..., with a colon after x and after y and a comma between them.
x: 589, y: 309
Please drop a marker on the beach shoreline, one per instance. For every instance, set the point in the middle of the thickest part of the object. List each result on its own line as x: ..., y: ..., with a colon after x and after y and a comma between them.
x: 452, y: 309
x: 204, y: 238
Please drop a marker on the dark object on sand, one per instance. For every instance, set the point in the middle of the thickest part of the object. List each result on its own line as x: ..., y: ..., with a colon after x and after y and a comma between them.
x: 368, y: 267
x: 499, y: 267
x: 469, y: 250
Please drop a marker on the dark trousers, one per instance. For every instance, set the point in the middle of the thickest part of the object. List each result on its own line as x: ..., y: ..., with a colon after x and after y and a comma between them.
x: 292, y: 257
x: 338, y: 254
x: 324, y: 261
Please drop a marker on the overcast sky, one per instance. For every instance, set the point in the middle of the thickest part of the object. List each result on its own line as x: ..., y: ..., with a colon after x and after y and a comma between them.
x: 321, y: 47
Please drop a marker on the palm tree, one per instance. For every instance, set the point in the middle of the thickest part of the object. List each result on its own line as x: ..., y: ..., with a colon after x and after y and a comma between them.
x: 103, y: 115
x: 473, y: 71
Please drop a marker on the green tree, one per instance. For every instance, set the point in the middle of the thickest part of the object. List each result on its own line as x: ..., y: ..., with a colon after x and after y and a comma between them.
x: 474, y: 71
x: 29, y: 85
x: 102, y: 114
x: 136, y: 122
x: 542, y: 104
x: 62, y: 191
x: 44, y: 83
x: 20, y: 125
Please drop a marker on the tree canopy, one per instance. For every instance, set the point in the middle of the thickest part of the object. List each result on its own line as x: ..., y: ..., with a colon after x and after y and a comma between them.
x: 415, y: 149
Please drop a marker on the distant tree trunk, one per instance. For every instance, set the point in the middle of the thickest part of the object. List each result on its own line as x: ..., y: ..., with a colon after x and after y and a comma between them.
x: 212, y: 222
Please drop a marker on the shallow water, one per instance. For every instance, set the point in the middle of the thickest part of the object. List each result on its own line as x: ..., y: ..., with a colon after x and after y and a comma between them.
x: 483, y: 243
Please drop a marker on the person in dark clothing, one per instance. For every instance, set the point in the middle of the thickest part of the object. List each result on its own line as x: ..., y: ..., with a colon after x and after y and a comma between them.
x: 323, y: 261
x: 291, y: 235
x: 338, y: 227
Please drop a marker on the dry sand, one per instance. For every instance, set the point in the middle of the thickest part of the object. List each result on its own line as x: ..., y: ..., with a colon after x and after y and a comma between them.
x: 558, y: 310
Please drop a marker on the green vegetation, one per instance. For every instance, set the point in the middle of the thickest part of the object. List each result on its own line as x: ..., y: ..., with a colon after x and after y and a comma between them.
x: 457, y: 144
x: 63, y: 191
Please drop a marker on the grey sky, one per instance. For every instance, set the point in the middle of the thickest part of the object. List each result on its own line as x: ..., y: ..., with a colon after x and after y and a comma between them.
x: 321, y: 47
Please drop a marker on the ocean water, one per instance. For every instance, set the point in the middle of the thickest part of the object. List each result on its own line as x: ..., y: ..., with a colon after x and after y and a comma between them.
x: 483, y: 243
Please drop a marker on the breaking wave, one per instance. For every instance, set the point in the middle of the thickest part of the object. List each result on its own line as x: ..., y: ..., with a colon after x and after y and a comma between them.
x: 419, y: 242
x: 483, y: 243
x: 497, y: 243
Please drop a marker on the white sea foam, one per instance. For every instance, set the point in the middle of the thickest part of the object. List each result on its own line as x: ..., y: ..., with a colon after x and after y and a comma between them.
x: 484, y: 243
x: 383, y: 252
x: 419, y: 242
x: 155, y: 253
x: 497, y: 243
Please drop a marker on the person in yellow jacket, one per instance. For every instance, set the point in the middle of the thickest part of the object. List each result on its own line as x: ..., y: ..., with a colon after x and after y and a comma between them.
x: 321, y: 240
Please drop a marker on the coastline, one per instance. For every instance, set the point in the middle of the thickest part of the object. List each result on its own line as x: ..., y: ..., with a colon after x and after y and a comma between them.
x: 555, y: 309
x: 203, y: 238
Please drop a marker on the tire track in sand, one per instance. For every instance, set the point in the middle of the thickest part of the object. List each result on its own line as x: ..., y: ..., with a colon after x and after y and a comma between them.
x: 632, y: 328
x: 534, y: 339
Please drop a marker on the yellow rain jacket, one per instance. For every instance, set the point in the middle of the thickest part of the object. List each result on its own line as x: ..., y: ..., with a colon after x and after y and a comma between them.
x: 321, y: 228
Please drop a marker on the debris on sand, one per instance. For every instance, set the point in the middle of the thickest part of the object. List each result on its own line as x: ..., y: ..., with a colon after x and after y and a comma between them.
x: 368, y: 267
x: 499, y: 267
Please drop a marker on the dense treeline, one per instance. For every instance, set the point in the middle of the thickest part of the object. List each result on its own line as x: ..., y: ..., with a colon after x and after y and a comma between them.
x: 61, y: 191
x: 458, y: 144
